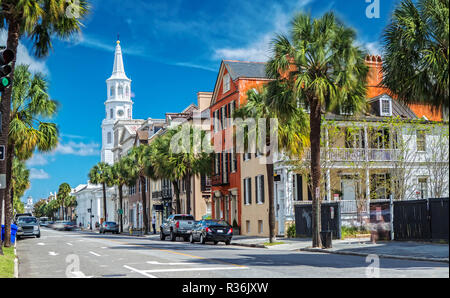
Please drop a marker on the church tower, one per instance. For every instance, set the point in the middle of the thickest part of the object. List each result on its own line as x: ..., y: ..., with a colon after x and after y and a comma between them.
x: 118, y: 105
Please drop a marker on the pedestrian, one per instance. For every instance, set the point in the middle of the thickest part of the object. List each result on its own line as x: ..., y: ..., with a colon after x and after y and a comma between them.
x: 154, y: 224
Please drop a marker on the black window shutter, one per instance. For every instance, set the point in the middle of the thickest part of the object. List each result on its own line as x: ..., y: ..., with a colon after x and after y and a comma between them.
x: 249, y: 190
x: 299, y: 187
x: 262, y: 189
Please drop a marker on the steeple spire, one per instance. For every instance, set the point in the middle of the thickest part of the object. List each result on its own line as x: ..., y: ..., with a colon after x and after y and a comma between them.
x: 118, y: 69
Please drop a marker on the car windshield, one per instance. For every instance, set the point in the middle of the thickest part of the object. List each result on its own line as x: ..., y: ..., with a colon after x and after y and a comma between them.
x: 110, y: 223
x: 184, y: 217
x: 216, y: 223
x: 27, y: 220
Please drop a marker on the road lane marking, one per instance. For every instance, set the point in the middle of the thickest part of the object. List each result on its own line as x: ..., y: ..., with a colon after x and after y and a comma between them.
x: 52, y: 253
x: 173, y: 252
x: 78, y: 274
x: 40, y: 243
x: 95, y: 254
x: 69, y: 244
x: 169, y: 264
x: 142, y: 272
x: 194, y: 269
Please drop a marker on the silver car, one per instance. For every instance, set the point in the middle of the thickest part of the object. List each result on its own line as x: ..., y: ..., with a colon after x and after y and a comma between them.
x: 28, y: 226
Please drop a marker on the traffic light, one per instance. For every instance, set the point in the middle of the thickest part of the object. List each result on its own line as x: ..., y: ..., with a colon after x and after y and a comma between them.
x: 6, y: 56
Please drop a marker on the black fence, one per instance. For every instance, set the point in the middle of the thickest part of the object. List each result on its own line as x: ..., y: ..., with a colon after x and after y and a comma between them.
x: 330, y: 219
x: 423, y: 220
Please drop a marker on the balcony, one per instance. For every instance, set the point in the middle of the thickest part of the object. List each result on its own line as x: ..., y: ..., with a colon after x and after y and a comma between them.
x: 219, y: 180
x: 166, y: 193
x: 157, y: 194
x: 357, y: 155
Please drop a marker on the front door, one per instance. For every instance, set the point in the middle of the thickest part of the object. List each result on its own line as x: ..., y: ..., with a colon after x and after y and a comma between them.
x: 348, y: 187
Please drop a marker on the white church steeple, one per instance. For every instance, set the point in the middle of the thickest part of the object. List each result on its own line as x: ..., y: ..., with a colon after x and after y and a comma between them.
x: 118, y: 105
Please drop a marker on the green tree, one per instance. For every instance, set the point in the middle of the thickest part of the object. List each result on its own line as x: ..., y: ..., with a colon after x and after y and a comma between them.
x: 100, y: 174
x: 120, y: 175
x: 292, y: 136
x: 39, y: 20
x: 51, y: 208
x: 70, y: 203
x: 322, y: 65
x: 29, y: 129
x: 39, y: 208
x: 416, y: 51
x: 20, y: 182
x: 62, y: 196
x: 141, y: 168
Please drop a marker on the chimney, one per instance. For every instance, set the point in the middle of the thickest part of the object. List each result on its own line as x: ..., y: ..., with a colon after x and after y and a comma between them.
x: 374, y: 76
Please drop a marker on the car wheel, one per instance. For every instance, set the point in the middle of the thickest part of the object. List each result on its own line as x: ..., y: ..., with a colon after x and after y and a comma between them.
x: 215, y: 242
x: 38, y: 236
x: 161, y: 236
x: 202, y: 239
x: 172, y: 236
x: 228, y: 242
x: 191, y: 239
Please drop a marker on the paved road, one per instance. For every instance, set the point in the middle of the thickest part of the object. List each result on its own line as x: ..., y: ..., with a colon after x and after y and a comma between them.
x: 82, y: 254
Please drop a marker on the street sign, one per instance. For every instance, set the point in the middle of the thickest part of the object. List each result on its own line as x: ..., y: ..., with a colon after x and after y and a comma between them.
x: 2, y: 153
x: 120, y: 211
x: 2, y: 181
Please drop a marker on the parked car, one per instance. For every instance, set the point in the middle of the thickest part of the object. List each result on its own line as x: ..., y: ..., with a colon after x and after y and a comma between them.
x: 109, y: 226
x: 28, y: 226
x: 211, y: 230
x: 16, y: 217
x: 177, y: 225
x: 43, y: 222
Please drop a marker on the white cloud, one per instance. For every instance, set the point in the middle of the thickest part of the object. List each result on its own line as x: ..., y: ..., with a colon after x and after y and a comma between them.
x: 24, y: 56
x: 38, y: 174
x: 258, y: 49
x: 79, y: 149
x: 37, y: 160
x: 373, y: 48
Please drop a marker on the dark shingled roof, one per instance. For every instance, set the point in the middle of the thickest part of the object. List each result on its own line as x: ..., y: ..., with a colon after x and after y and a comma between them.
x: 399, y: 109
x: 238, y: 69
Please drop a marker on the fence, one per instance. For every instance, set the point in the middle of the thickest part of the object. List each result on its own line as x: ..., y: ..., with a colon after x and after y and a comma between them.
x: 425, y: 220
x: 330, y: 219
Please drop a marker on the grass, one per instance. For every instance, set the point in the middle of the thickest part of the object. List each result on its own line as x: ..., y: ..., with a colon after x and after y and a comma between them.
x: 349, y: 232
x: 271, y: 244
x: 7, y: 263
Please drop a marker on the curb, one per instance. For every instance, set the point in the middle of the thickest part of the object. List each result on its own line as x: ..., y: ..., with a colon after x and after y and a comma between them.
x: 320, y: 250
x: 16, y: 261
x: 249, y: 245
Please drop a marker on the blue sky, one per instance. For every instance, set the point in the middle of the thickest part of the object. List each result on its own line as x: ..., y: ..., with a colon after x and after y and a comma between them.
x: 172, y: 50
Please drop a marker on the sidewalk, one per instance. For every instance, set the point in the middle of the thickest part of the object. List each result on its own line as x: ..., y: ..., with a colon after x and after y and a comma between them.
x: 419, y: 251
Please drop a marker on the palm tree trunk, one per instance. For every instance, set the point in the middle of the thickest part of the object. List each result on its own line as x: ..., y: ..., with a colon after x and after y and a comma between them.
x: 5, y: 109
x: 121, y: 207
x: 269, y: 170
x: 315, y: 122
x: 104, y: 201
x: 144, y: 203
x: 8, y: 197
x: 188, y: 192
x: 176, y: 190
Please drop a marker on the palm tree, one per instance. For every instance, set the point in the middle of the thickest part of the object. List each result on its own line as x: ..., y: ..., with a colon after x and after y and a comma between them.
x: 416, y: 52
x: 28, y: 130
x: 100, y: 174
x: 292, y: 136
x: 39, y: 20
x: 120, y: 176
x: 20, y: 182
x: 322, y: 65
x: 70, y: 203
x: 62, y: 196
x: 140, y: 159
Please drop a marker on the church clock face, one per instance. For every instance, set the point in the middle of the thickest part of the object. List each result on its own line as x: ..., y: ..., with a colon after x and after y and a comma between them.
x: 120, y: 113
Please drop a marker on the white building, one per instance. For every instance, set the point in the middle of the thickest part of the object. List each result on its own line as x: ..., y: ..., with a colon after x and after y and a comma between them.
x: 118, y: 105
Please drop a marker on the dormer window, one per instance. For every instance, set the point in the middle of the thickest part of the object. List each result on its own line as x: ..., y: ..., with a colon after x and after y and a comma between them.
x: 385, y: 107
x: 226, y: 83
x: 348, y: 111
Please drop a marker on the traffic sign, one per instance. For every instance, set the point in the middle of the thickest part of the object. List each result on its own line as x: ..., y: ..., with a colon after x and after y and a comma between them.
x: 2, y: 153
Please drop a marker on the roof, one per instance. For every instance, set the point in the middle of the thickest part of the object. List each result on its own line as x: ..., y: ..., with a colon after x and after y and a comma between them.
x: 398, y: 108
x: 239, y: 69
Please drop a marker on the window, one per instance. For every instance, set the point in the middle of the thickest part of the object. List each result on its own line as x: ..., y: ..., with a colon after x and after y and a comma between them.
x: 260, y: 226
x: 421, y: 141
x: 297, y: 187
x: 120, y: 90
x: 423, y: 188
x: 247, y: 191
x: 226, y: 83
x: 247, y: 224
x: 247, y: 156
x: 217, y: 164
x: 259, y: 183
x: 224, y: 117
x: 111, y: 91
x: 385, y: 107
x: 233, y: 161
x: 109, y: 138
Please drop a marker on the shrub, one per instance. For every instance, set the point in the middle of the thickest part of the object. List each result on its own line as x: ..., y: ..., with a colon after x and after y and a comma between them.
x: 291, y: 231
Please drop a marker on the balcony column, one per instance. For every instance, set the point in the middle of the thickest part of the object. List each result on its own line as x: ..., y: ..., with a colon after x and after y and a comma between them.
x: 368, y: 190
x: 328, y: 190
x: 328, y: 185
